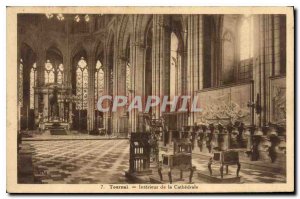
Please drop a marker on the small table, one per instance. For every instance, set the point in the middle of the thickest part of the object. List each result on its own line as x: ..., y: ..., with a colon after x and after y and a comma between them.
x: 180, y: 159
x: 225, y: 158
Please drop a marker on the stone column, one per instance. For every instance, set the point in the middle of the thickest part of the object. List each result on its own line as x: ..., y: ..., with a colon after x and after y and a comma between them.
x: 277, y: 51
x: 91, y: 93
x: 266, y: 63
x: 160, y: 58
x: 257, y: 60
x: 36, y: 106
x: 139, y: 79
x: 40, y: 64
x: 67, y: 58
x: 114, y: 115
x: 46, y: 103
x: 71, y: 114
x: 194, y: 58
x: 106, y: 70
x: 218, y: 50
x: 120, y: 114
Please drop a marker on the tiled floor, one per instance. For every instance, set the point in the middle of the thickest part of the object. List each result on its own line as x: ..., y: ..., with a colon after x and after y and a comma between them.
x: 80, y: 161
x: 248, y: 175
x: 104, y: 161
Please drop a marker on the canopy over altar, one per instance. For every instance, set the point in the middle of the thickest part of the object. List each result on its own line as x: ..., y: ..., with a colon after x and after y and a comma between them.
x: 54, y: 105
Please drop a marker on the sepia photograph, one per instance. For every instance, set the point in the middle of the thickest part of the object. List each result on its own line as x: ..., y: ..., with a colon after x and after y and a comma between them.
x: 150, y: 100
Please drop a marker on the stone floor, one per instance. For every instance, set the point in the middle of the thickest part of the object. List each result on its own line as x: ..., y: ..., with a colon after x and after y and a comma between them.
x: 71, y: 135
x: 80, y: 161
x: 104, y: 161
x: 248, y: 175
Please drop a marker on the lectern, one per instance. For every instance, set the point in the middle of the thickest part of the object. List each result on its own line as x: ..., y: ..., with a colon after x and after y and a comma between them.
x: 139, y: 161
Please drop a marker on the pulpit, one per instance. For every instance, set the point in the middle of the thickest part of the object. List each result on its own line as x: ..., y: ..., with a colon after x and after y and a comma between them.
x: 139, y: 161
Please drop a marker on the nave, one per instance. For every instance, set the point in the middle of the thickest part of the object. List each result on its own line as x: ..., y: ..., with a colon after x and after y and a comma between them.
x: 103, y: 162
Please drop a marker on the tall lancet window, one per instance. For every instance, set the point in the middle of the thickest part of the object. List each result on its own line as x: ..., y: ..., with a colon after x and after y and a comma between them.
x: 246, y: 38
x: 81, y: 84
x: 20, y: 89
x: 175, y: 60
x: 246, y: 47
x: 128, y: 79
x: 99, y: 81
x: 228, y: 58
x: 49, y: 73
x: 33, y: 78
x: 60, y: 74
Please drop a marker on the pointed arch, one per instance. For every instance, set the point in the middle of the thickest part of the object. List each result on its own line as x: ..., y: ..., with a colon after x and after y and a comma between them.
x: 124, y: 35
x: 78, y: 48
x: 99, y: 50
x: 53, y: 71
x: 53, y: 45
x: 143, y: 24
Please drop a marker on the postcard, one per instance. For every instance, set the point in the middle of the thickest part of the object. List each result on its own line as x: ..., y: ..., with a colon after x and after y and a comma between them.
x: 150, y: 99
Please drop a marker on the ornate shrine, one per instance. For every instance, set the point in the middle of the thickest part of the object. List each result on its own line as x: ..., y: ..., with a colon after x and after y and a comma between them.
x: 54, y: 107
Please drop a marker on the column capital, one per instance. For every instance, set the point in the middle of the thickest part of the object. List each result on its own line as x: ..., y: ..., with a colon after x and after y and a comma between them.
x: 138, y: 44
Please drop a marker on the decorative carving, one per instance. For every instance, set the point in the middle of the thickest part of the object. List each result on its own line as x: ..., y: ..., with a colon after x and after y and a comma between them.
x: 227, y: 105
x: 278, y: 101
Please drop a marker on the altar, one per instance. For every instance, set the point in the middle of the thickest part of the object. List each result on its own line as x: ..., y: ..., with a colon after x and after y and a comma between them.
x: 54, y: 107
x: 51, y: 124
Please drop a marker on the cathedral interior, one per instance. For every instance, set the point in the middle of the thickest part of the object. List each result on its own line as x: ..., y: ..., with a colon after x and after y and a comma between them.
x: 234, y: 64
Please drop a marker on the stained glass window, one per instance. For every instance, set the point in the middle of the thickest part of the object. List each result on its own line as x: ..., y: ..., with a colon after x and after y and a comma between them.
x: 81, y: 84
x: 33, y: 77
x: 49, y: 73
x: 60, y: 74
x: 99, y: 82
x: 20, y: 91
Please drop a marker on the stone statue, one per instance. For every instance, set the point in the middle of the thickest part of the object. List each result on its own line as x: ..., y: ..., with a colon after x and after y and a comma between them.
x: 54, y: 104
